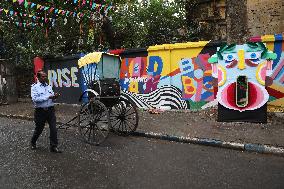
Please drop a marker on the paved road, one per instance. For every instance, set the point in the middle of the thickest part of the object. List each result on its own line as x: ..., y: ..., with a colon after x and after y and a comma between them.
x: 128, y: 162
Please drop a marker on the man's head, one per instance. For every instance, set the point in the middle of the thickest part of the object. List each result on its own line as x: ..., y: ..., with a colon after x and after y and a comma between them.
x: 42, y: 77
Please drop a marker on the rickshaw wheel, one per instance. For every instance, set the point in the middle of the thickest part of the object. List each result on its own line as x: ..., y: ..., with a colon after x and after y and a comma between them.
x: 94, y: 122
x: 124, y: 117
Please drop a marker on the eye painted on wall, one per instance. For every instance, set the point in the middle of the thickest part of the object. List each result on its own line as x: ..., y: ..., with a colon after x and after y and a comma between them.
x: 229, y: 58
x: 253, y: 56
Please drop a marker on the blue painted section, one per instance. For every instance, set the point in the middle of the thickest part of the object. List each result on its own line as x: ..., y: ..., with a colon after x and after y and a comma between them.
x: 278, y: 37
x: 82, y: 84
x: 277, y: 48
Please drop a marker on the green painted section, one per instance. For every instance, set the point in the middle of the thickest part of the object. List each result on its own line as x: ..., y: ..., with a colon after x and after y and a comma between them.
x: 195, y: 105
x: 271, y: 98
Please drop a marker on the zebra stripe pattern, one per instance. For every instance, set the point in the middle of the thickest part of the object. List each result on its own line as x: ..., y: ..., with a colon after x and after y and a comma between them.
x: 166, y: 97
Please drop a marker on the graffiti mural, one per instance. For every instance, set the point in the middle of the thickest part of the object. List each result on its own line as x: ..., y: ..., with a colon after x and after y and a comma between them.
x: 242, y: 72
x: 169, y: 77
x: 275, y: 43
x: 196, y: 79
x: 65, y: 77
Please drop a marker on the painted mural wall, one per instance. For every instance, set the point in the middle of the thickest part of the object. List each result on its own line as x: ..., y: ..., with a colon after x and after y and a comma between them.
x: 178, y: 76
x: 275, y: 43
x: 171, y: 76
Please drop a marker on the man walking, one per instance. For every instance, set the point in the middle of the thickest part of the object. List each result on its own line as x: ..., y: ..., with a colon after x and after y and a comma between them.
x: 43, y: 96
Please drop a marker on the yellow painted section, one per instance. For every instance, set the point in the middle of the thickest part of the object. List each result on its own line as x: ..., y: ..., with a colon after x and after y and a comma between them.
x: 269, y: 41
x: 133, y: 87
x: 278, y: 102
x: 172, y: 54
x: 224, y: 76
x: 131, y: 67
x: 188, y: 84
x: 178, y: 54
x: 241, y: 61
x: 258, y: 73
x: 165, y: 56
x: 277, y: 87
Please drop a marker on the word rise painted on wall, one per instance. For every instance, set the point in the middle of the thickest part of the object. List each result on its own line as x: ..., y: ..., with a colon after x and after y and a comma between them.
x: 66, y: 77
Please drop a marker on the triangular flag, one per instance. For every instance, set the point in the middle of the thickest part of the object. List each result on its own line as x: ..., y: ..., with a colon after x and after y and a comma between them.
x: 51, y: 9
x: 26, y: 4
x: 20, y: 1
x: 94, y: 5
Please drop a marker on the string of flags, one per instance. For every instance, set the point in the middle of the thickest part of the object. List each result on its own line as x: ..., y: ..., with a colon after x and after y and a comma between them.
x: 55, y: 12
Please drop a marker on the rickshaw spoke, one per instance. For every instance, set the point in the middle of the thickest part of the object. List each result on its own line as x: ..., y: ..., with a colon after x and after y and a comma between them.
x: 88, y: 129
x: 119, y: 125
x: 128, y: 126
x: 94, y: 122
x: 130, y: 114
x: 127, y: 110
x: 130, y: 122
x: 117, y: 121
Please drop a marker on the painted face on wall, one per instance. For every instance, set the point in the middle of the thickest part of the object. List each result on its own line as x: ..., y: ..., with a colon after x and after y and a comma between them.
x: 241, y: 71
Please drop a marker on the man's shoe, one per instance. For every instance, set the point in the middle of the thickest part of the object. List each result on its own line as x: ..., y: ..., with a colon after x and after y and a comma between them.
x: 55, y: 150
x: 33, y: 146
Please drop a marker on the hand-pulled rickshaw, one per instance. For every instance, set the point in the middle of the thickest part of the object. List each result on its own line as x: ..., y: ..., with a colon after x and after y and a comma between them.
x: 103, y: 109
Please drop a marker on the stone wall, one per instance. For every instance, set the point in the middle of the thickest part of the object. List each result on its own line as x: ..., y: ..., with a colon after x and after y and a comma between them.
x: 209, y: 17
x: 265, y: 17
x: 235, y: 21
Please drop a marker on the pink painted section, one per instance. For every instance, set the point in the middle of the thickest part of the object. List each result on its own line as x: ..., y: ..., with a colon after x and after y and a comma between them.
x: 263, y: 73
x: 282, y: 79
x: 277, y: 70
x: 255, y: 39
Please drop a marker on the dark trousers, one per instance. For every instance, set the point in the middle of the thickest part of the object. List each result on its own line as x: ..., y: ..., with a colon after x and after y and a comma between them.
x: 41, y: 116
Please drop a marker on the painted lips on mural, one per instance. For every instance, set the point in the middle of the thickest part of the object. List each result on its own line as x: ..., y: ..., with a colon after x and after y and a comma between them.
x: 241, y: 71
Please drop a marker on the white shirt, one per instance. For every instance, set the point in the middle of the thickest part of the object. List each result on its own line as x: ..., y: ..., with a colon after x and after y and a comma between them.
x: 40, y: 94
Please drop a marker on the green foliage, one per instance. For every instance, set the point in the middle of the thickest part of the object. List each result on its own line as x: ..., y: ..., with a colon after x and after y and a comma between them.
x: 150, y: 22
x: 131, y: 24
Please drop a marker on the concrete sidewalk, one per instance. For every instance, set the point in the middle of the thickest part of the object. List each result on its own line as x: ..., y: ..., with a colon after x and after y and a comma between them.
x: 198, y: 127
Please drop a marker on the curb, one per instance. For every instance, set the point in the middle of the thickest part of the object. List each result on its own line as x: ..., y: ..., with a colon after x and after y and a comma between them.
x: 250, y: 147
x: 259, y: 148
